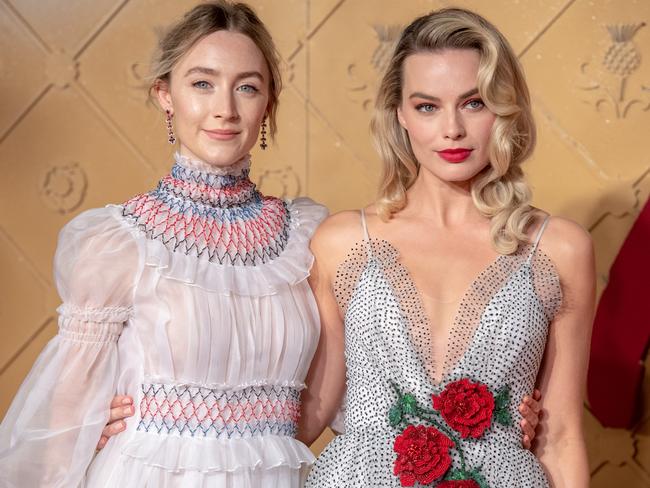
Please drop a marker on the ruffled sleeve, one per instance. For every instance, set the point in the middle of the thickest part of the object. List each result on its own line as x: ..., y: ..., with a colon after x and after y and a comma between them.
x: 49, y: 434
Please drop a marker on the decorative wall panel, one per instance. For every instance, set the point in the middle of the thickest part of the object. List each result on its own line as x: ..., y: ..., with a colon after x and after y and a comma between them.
x: 77, y: 131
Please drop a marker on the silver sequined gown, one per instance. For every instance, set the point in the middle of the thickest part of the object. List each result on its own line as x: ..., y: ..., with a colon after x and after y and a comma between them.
x: 498, y: 338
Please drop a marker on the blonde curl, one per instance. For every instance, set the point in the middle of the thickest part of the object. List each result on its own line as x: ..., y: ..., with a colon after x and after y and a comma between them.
x: 499, y: 192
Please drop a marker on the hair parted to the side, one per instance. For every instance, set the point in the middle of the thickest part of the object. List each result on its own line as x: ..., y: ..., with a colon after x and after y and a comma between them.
x: 209, y: 17
x: 500, y: 191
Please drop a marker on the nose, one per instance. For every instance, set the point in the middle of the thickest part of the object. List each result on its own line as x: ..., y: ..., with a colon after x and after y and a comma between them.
x: 454, y: 128
x: 225, y: 106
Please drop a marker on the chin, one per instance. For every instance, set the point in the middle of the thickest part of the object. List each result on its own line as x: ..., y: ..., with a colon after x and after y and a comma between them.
x: 457, y: 172
x: 454, y: 173
x: 223, y: 156
x: 220, y: 160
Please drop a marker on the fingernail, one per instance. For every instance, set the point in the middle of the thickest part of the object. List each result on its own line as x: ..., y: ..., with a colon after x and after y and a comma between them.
x: 127, y: 410
x: 126, y: 401
x: 122, y: 425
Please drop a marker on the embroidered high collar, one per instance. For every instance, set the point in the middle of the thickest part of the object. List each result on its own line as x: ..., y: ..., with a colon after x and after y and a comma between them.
x: 212, y: 213
x: 210, y: 185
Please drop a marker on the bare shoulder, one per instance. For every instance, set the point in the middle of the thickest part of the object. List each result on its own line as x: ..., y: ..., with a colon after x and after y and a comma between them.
x: 336, y: 235
x: 570, y: 247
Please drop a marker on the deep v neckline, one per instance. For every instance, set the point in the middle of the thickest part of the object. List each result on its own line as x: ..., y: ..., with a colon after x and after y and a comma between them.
x: 468, y: 317
x: 420, y: 324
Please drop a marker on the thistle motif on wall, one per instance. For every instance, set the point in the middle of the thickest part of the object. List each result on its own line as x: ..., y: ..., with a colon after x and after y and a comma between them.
x: 622, y: 58
x: 362, y: 78
x: 387, y: 36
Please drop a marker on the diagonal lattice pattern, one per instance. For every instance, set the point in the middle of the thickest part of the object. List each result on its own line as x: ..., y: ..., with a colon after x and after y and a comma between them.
x: 206, y: 412
x: 220, y: 218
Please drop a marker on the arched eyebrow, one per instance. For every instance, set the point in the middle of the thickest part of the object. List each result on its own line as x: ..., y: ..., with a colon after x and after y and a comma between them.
x: 469, y: 93
x: 214, y: 72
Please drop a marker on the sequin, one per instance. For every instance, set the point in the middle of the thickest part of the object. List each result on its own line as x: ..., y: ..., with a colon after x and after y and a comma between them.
x: 498, y: 337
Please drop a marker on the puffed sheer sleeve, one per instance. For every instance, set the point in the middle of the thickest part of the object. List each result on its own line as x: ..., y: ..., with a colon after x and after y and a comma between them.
x: 49, y: 434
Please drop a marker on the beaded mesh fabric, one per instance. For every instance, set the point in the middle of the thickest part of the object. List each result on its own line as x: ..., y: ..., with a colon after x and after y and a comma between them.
x: 498, y: 337
x: 472, y: 304
x: 213, y: 214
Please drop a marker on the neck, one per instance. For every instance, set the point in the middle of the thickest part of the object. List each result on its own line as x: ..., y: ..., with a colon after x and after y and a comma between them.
x: 217, y: 186
x: 446, y: 204
x: 236, y: 168
x: 213, y: 214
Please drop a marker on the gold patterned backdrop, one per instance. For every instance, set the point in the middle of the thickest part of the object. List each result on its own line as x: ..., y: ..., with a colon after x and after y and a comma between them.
x: 76, y: 132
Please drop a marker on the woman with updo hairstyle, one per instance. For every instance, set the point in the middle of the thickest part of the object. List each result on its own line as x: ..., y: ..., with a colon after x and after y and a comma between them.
x: 451, y: 296
x: 192, y: 298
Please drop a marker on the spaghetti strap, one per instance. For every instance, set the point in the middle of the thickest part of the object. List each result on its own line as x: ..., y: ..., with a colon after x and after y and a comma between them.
x: 366, y: 236
x: 539, y: 236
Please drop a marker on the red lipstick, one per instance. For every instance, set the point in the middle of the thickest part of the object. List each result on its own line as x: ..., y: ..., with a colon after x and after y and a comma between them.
x: 455, y: 155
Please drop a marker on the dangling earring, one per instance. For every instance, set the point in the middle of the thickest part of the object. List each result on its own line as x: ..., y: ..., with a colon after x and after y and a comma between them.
x: 263, y: 141
x: 170, y: 130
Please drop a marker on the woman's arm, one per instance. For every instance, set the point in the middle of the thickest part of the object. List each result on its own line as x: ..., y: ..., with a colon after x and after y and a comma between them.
x: 322, y: 398
x: 326, y: 379
x: 48, y: 436
x: 561, y: 446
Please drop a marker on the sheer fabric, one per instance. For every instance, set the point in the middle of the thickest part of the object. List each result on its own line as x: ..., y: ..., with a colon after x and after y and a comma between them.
x: 51, y: 429
x: 471, y: 307
x: 187, y: 337
x: 498, y: 338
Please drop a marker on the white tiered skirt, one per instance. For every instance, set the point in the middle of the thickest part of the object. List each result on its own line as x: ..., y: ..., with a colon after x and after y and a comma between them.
x: 150, y: 460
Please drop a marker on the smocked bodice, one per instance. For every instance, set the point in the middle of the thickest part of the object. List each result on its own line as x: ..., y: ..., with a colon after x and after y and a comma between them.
x: 193, y: 299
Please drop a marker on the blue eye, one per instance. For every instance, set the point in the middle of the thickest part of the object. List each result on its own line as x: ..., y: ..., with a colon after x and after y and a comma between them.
x: 475, y: 104
x: 202, y: 85
x: 425, y: 107
x: 248, y: 89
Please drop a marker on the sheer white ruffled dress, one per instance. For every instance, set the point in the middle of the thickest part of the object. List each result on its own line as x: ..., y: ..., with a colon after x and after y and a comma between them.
x: 193, y: 299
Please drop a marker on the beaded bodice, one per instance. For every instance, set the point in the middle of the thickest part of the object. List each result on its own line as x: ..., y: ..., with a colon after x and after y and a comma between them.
x: 498, y: 337
x: 215, y: 214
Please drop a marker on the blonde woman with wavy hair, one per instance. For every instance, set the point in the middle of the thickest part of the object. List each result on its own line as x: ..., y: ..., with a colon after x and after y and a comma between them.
x: 500, y: 192
x: 451, y: 296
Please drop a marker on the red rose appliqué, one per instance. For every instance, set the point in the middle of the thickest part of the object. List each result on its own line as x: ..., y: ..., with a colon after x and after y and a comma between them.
x: 422, y: 455
x: 467, y: 407
x: 459, y: 484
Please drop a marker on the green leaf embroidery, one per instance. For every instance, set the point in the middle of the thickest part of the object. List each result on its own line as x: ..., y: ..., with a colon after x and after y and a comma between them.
x: 503, y: 417
x: 476, y: 475
x: 395, y: 415
x: 502, y: 399
x: 501, y: 403
x: 455, y: 475
x: 409, y: 404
